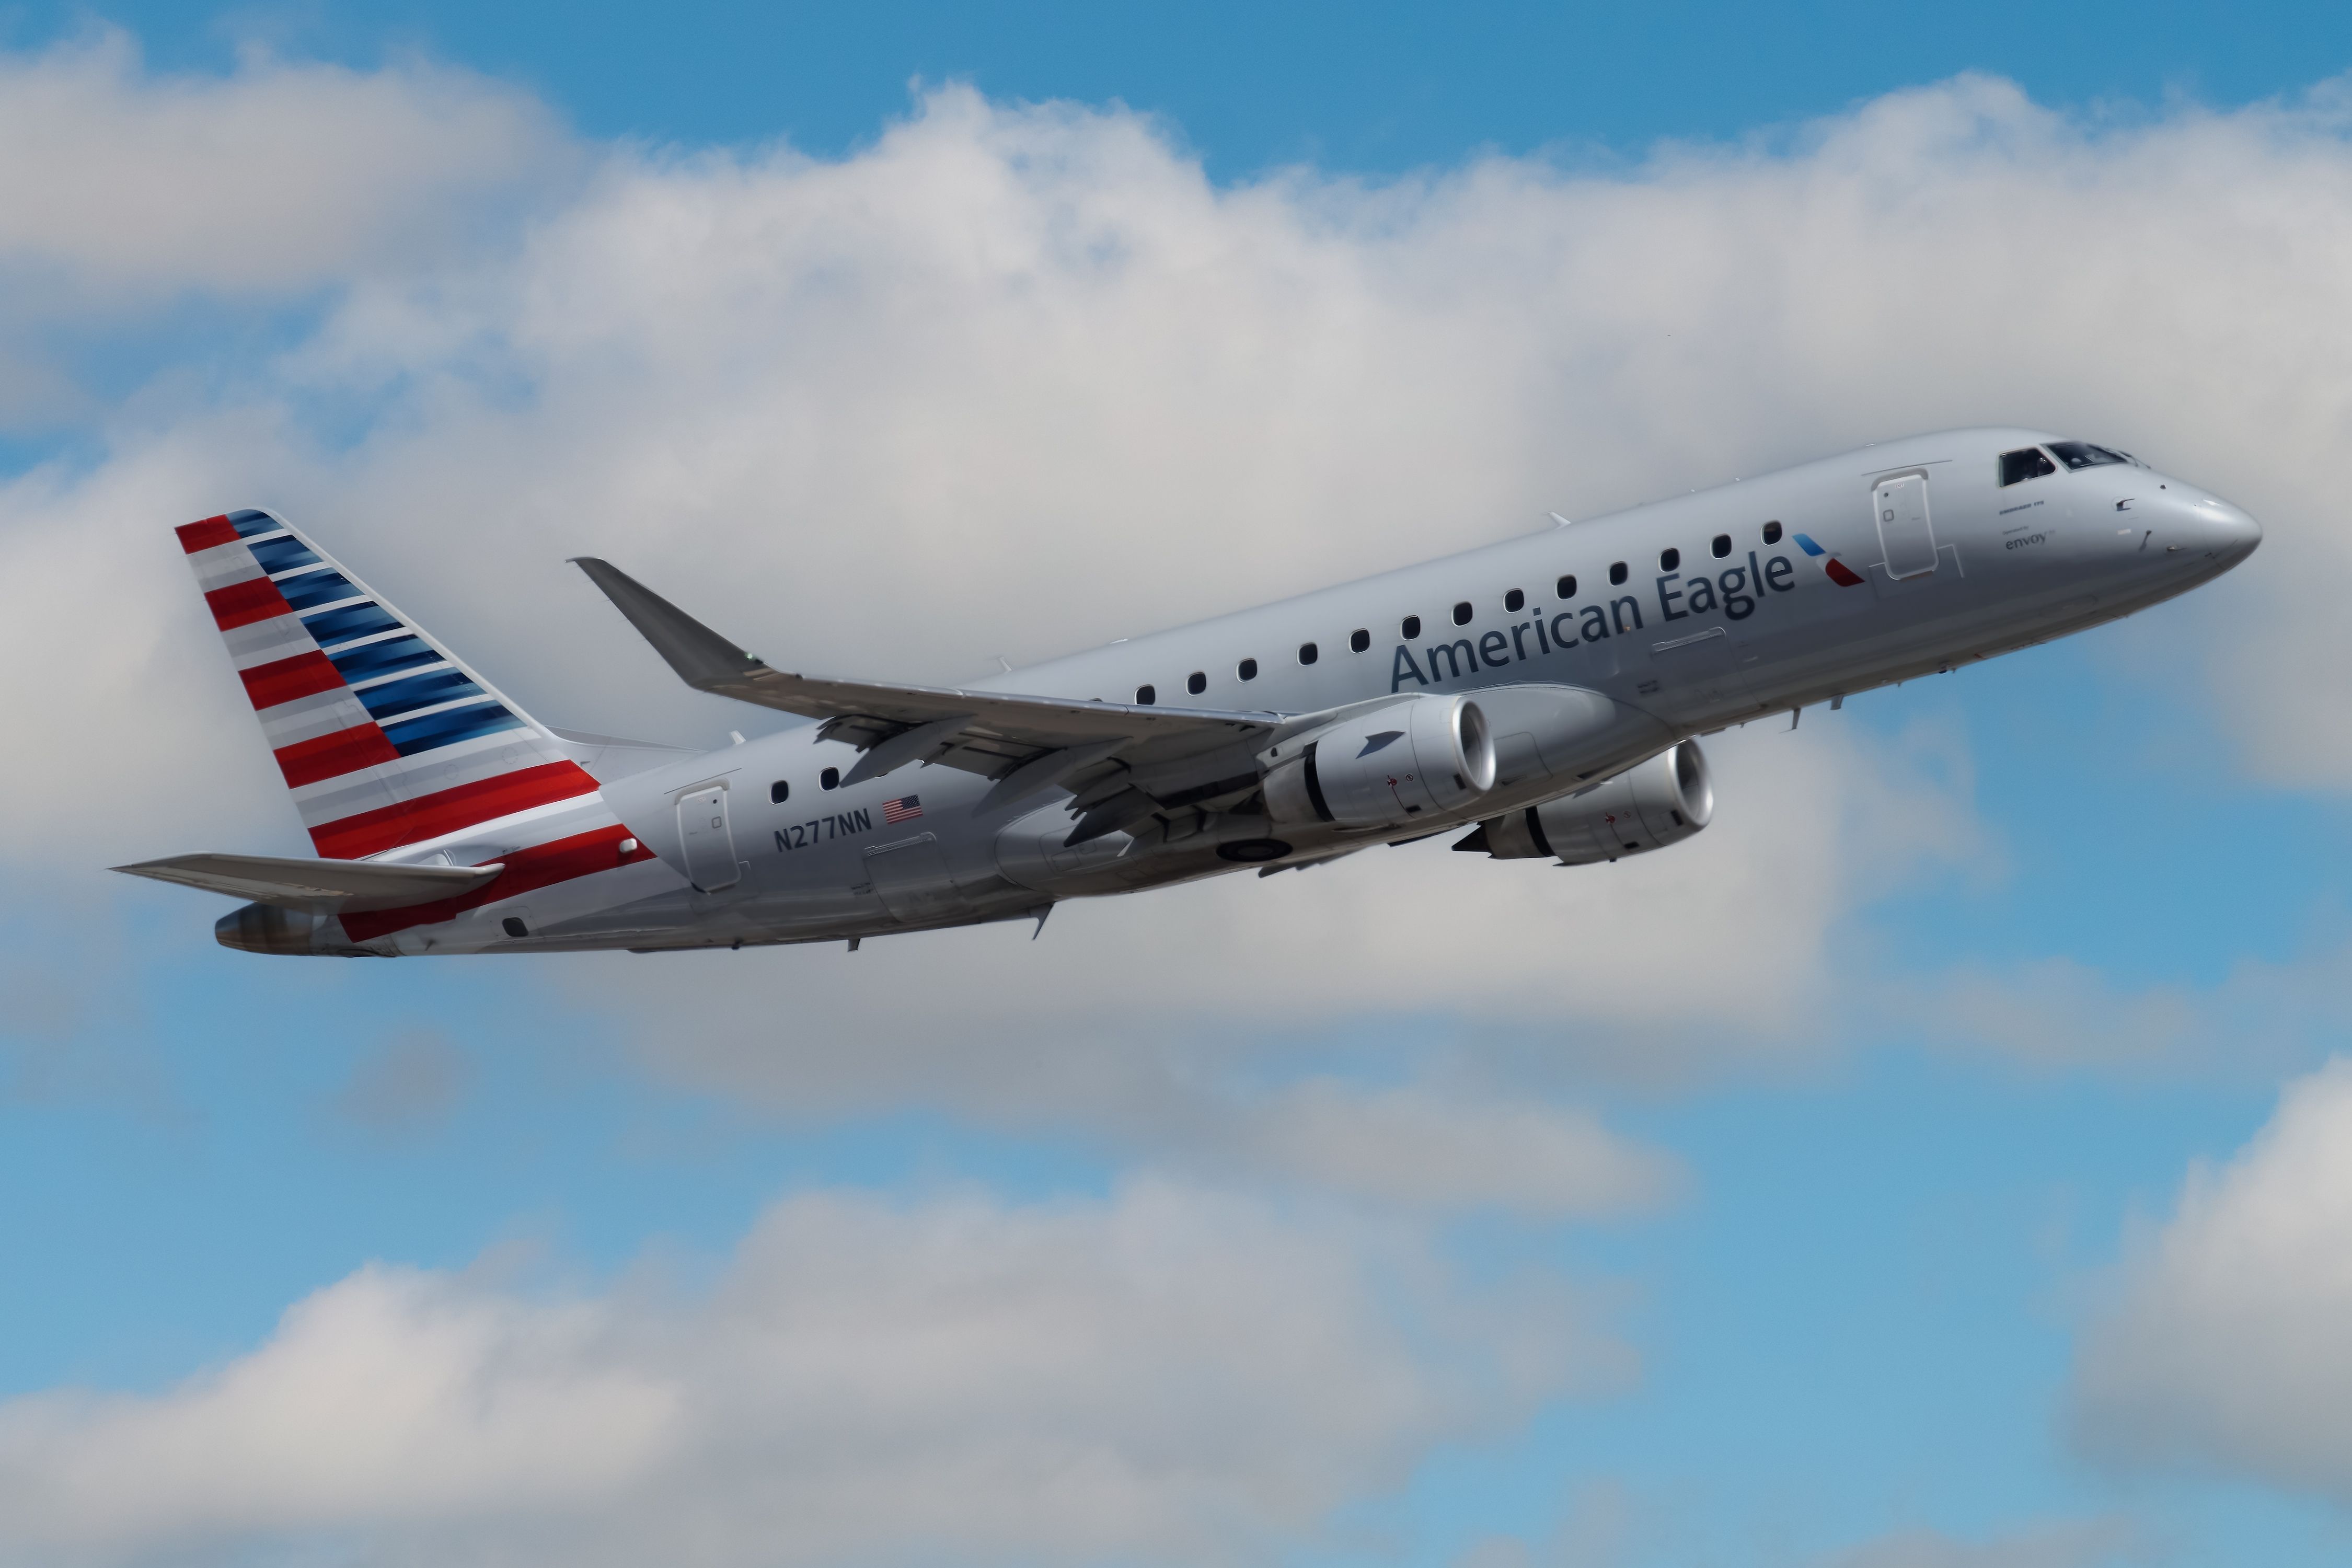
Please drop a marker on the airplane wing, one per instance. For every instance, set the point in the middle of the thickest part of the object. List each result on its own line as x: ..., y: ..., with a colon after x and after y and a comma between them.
x: 1027, y: 744
x: 320, y: 886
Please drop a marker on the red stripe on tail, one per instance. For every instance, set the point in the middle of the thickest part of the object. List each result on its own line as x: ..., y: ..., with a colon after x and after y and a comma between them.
x: 283, y: 679
x: 429, y: 816
x: 242, y: 604
x: 540, y: 865
x: 331, y: 756
x: 209, y: 534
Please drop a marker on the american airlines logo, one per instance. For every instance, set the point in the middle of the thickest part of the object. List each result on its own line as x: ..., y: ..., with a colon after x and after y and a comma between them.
x: 1843, y: 576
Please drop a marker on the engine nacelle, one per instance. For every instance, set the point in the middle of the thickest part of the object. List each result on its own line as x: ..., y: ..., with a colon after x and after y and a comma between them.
x: 265, y: 928
x: 1417, y: 757
x: 1663, y: 801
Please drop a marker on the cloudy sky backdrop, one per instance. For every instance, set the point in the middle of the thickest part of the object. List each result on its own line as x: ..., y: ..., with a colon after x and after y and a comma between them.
x: 1941, y: 1162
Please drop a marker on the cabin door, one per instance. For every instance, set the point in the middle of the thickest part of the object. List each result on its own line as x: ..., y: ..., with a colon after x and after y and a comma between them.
x: 708, y: 847
x: 1905, y: 533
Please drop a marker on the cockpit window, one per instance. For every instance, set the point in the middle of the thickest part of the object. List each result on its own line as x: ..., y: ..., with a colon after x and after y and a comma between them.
x: 2082, y: 455
x: 2028, y: 463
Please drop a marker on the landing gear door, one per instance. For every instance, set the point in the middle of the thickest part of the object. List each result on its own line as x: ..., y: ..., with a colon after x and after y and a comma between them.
x: 708, y: 847
x: 1905, y: 533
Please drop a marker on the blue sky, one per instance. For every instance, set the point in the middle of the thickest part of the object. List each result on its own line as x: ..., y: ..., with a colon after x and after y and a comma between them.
x: 1376, y: 89
x: 1893, y: 1080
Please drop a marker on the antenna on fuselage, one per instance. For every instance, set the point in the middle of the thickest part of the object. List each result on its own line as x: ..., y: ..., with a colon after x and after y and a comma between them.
x: 1560, y: 520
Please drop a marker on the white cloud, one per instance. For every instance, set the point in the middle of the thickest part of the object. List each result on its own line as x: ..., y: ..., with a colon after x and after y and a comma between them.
x: 2224, y: 1345
x: 1164, y: 1375
x: 2260, y: 1019
x: 1436, y: 1151
x: 128, y: 187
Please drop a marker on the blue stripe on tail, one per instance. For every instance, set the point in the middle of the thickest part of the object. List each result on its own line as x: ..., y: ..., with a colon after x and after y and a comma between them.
x: 385, y: 658
x: 318, y: 588
x: 411, y: 692
x: 350, y: 622
x: 284, y: 554
x: 448, y: 729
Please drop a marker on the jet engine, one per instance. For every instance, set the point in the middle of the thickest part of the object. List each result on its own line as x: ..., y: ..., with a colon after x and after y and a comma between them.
x: 1419, y: 756
x: 1663, y: 801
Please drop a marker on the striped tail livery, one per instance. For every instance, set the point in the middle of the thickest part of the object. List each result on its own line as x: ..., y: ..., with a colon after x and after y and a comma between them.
x: 444, y: 795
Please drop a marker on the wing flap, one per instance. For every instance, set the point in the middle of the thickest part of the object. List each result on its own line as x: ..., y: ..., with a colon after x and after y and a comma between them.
x: 319, y: 887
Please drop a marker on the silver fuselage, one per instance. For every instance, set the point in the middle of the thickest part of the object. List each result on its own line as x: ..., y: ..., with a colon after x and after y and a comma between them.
x: 1772, y: 629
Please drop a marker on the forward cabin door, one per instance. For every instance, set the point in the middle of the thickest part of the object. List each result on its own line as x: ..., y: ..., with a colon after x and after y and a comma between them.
x: 708, y: 847
x: 1905, y: 533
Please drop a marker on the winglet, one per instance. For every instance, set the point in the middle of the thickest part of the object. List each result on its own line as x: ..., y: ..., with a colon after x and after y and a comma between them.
x: 702, y: 658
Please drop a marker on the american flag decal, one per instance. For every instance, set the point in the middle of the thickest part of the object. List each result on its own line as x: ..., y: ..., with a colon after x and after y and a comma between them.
x: 906, y: 808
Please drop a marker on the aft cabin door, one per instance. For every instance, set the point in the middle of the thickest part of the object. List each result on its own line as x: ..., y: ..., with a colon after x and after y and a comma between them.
x: 1904, y: 531
x: 710, y: 849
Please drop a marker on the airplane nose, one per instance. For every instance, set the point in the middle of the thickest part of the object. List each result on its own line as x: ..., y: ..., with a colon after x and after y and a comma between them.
x: 2226, y: 530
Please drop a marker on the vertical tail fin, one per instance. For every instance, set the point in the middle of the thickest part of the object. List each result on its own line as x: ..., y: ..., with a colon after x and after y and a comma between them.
x: 385, y: 737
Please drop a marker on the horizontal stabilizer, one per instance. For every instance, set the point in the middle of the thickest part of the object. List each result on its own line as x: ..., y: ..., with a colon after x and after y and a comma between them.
x: 320, y: 886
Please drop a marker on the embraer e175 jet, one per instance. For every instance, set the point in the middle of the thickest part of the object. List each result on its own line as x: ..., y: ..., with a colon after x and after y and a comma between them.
x: 1543, y: 693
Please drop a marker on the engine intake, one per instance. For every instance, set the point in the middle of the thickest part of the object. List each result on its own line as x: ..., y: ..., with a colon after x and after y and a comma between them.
x: 1420, y: 756
x: 1663, y: 801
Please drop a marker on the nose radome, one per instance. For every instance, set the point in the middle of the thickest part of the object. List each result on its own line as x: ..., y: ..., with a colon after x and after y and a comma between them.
x: 2230, y: 530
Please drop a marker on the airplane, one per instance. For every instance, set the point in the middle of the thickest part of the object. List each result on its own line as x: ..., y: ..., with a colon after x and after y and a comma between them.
x: 1547, y: 693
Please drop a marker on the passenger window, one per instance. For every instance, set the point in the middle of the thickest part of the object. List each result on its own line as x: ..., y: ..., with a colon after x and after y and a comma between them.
x: 2030, y: 463
x: 514, y: 927
x: 1196, y: 683
x: 1145, y: 697
x: 1461, y: 613
x: 780, y: 791
x: 1358, y: 640
x: 1771, y: 533
x: 1670, y: 560
x: 1565, y: 587
x: 829, y: 779
x: 1411, y: 627
x: 1249, y: 669
x: 1617, y: 573
x: 1307, y: 654
x: 1722, y: 545
x: 1515, y: 601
